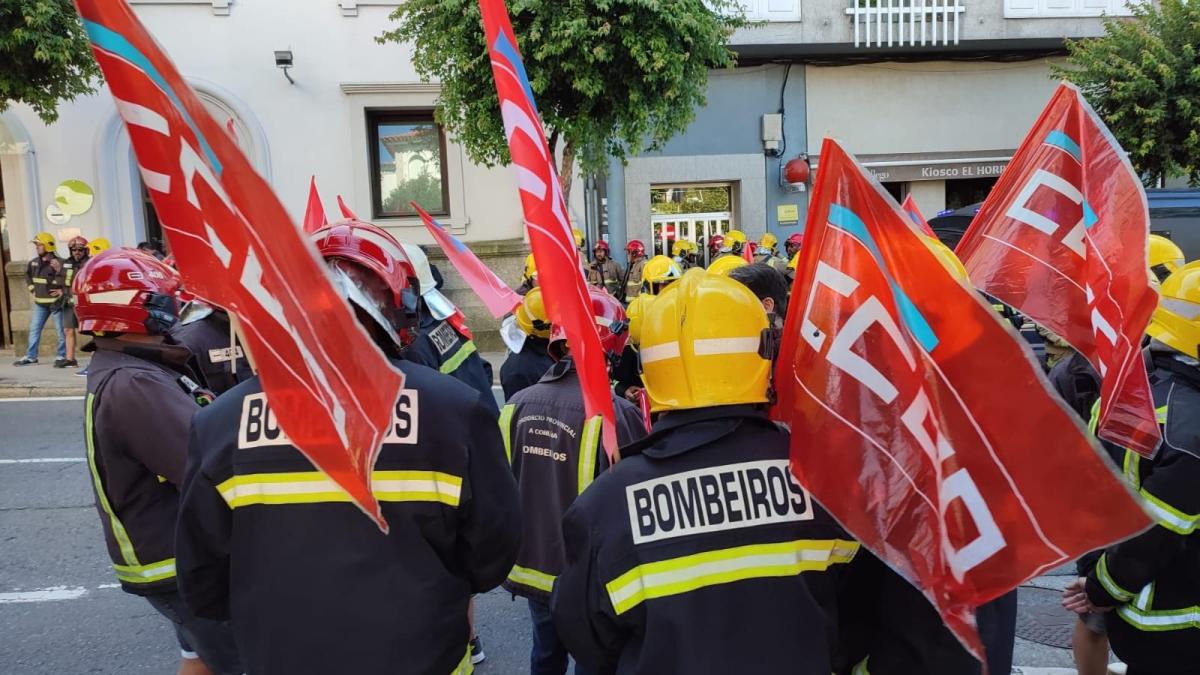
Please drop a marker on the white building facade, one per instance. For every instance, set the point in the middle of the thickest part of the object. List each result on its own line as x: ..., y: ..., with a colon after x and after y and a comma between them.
x: 357, y: 117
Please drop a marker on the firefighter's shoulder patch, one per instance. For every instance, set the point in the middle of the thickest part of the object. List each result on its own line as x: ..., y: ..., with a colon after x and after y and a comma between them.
x: 444, y: 337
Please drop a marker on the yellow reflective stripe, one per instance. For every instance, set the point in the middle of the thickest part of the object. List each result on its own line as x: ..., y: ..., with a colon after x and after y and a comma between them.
x: 452, y: 364
x: 1094, y: 420
x: 1110, y: 585
x: 1130, y: 467
x: 588, y: 446
x: 1160, y: 414
x: 1161, y: 620
x: 146, y: 574
x: 40, y: 280
x: 45, y: 301
x: 118, y: 530
x: 1170, y: 517
x: 688, y: 573
x: 312, y: 487
x: 464, y: 667
x: 506, y: 414
x: 532, y: 578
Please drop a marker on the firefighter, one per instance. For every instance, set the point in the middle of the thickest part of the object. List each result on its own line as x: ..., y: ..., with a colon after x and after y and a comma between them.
x: 1163, y: 257
x: 699, y: 552
x: 765, y: 253
x: 791, y: 270
x: 311, y: 584
x: 140, y: 401
x: 45, y: 278
x: 97, y: 245
x: 206, y: 331
x: 658, y: 273
x: 735, y: 241
x: 791, y: 246
x: 627, y: 375
x: 444, y: 342
x: 77, y: 258
x: 768, y: 286
x: 725, y: 264
x: 715, y: 244
x: 556, y: 453
x: 632, y: 281
x: 1146, y: 586
x: 580, y: 241
x: 604, y: 272
x: 529, y: 276
x: 683, y: 252
x: 525, y: 367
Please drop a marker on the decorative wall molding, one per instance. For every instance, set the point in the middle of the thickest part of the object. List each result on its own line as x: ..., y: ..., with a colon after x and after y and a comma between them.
x: 350, y: 7
x: 219, y: 7
x: 353, y: 88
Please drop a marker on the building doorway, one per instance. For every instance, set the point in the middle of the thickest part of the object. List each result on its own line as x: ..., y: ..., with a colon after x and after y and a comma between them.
x: 694, y: 212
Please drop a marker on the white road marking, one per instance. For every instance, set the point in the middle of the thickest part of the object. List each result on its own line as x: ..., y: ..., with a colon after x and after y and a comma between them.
x: 53, y: 594
x: 44, y: 460
x: 41, y: 398
x: 44, y: 595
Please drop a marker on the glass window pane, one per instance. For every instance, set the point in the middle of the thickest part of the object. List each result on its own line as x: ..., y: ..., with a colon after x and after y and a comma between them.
x: 410, y: 166
x: 690, y: 199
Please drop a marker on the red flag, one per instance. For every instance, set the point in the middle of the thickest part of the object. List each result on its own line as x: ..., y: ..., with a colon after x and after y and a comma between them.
x: 330, y: 388
x: 314, y: 211
x: 1063, y: 239
x: 920, y: 421
x: 346, y: 212
x: 495, y: 294
x: 560, y: 274
x: 910, y: 207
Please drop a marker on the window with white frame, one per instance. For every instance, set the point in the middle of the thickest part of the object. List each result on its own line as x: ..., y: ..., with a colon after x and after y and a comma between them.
x: 1036, y: 9
x: 771, y: 10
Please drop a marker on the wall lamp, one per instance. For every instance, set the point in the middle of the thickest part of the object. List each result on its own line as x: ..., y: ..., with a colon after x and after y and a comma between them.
x: 283, y: 60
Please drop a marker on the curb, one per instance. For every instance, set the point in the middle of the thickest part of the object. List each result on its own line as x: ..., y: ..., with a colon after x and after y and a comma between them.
x: 39, y: 391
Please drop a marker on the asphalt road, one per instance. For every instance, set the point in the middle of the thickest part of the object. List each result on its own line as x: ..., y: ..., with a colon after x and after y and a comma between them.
x: 61, y: 612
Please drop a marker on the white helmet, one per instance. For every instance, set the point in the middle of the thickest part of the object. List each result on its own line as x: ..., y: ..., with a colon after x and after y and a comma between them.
x: 438, y: 304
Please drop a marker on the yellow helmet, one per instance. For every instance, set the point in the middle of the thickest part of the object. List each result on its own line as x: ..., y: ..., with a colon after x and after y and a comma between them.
x: 530, y: 267
x: 735, y: 237
x: 792, y: 262
x: 1164, y: 257
x: 946, y: 257
x: 700, y: 342
x: 531, y: 315
x: 724, y: 265
x: 659, y: 270
x: 46, y: 240
x: 578, y: 234
x: 97, y: 245
x: 1176, y: 320
x: 634, y: 312
x: 768, y: 241
x: 681, y: 247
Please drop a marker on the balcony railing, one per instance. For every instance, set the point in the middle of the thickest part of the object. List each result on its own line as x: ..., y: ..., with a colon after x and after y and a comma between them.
x: 905, y: 23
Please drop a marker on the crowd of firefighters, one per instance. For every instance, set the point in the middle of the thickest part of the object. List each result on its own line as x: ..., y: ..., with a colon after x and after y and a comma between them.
x: 692, y: 549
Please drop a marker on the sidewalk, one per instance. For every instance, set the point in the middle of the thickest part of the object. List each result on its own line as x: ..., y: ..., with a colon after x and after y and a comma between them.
x: 42, y: 379
x: 46, y: 380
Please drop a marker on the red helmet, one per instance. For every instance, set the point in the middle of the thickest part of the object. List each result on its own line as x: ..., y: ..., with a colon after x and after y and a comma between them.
x: 77, y: 242
x: 372, y: 248
x: 124, y: 290
x: 602, y: 246
x: 716, y: 242
x: 611, y: 323
x: 635, y: 247
x: 795, y: 238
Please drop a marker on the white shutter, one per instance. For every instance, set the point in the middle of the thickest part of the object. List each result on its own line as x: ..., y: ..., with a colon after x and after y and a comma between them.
x: 782, y: 10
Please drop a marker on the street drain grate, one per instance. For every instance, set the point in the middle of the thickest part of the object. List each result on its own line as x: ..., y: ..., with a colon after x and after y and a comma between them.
x: 1042, y: 619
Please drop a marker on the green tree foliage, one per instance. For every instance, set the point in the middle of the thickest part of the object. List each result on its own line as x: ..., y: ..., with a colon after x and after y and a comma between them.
x: 424, y: 189
x: 1143, y: 78
x: 611, y: 77
x: 45, y: 56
